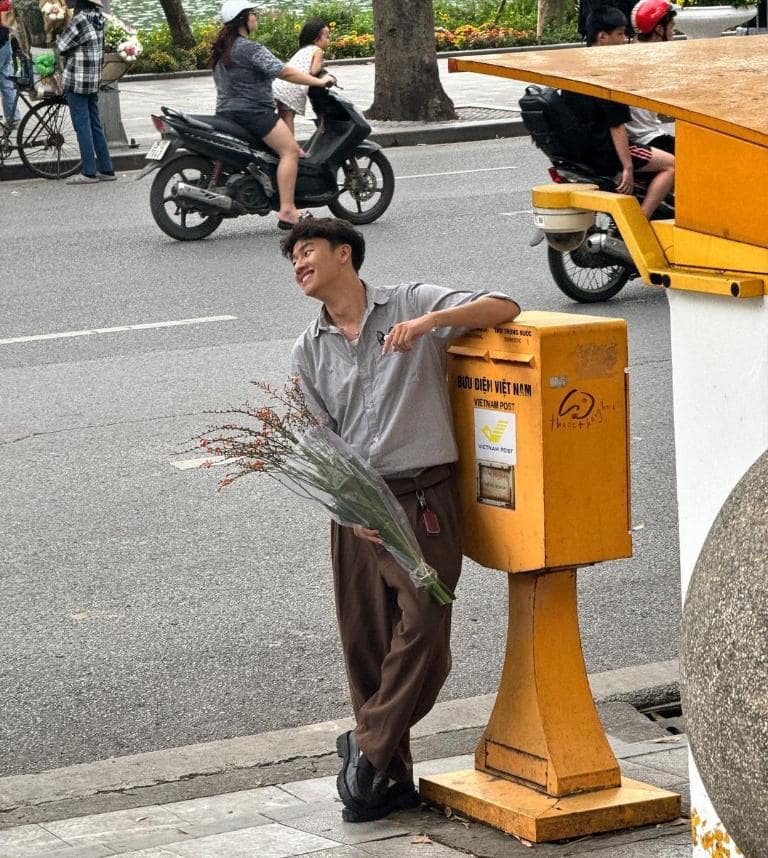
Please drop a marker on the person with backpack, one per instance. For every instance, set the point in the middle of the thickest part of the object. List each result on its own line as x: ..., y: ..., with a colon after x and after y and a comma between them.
x: 587, y: 7
x: 611, y: 152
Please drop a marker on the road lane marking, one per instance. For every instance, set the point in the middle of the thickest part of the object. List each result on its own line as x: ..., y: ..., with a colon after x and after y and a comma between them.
x: 199, y: 462
x: 456, y: 172
x: 517, y: 212
x: 116, y: 329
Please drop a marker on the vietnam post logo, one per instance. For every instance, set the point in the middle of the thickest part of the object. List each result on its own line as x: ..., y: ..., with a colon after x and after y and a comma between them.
x: 497, y: 433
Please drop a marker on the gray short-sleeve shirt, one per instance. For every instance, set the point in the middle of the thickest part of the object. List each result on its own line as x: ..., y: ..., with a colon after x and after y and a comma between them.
x: 392, y: 409
x: 247, y: 83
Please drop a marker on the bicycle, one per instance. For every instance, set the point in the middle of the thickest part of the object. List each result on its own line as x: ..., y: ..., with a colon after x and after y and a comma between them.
x: 45, y: 137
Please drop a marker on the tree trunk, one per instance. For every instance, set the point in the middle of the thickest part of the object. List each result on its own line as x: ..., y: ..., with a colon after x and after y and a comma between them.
x: 407, y: 84
x: 550, y: 12
x: 181, y: 33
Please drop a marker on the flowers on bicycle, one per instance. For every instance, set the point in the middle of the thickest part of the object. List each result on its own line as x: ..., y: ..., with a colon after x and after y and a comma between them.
x: 54, y: 11
x: 121, y: 38
x: 130, y: 50
x: 307, y: 458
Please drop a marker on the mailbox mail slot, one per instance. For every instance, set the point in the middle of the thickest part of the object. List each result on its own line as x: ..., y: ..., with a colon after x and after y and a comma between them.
x: 541, y: 416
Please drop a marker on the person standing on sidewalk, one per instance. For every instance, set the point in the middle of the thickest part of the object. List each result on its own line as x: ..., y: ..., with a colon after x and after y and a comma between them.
x: 11, y: 113
x: 81, y: 44
x: 373, y: 365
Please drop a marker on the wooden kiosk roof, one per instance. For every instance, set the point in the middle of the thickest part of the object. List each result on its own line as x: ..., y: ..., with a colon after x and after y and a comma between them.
x: 720, y: 84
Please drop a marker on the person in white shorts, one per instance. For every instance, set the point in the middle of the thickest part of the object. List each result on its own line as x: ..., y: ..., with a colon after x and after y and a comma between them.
x: 653, y: 21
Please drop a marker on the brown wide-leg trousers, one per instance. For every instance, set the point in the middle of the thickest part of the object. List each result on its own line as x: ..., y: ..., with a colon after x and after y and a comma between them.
x: 395, y: 637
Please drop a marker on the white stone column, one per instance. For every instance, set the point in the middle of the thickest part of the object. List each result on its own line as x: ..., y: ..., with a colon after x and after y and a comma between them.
x: 720, y: 395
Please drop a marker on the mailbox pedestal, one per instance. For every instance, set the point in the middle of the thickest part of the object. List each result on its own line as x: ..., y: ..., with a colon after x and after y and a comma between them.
x: 541, y: 416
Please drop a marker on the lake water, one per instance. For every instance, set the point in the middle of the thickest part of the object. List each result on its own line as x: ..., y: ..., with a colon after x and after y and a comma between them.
x: 147, y: 13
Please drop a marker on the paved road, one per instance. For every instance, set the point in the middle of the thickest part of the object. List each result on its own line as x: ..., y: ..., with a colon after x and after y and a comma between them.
x: 143, y: 610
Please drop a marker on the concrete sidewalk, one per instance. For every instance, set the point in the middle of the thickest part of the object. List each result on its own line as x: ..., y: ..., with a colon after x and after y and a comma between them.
x: 252, y: 796
x: 487, y: 108
x: 487, y: 104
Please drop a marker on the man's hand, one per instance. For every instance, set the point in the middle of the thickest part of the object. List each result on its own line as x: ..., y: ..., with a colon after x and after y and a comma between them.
x: 367, y: 533
x: 403, y: 335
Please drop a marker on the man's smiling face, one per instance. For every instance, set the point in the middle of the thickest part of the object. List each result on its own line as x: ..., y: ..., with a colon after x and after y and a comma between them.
x: 317, y: 265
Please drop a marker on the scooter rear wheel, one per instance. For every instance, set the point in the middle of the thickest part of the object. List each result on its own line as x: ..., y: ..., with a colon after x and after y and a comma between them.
x: 585, y: 285
x: 181, y: 222
x: 366, y: 187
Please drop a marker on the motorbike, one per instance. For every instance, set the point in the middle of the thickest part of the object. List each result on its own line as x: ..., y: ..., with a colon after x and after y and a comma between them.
x: 210, y: 168
x: 600, y: 267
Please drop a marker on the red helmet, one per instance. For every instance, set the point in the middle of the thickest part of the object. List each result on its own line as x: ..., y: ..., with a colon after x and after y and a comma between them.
x: 648, y: 13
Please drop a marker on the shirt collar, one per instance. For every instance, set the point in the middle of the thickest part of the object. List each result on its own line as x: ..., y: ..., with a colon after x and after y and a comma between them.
x: 373, y: 295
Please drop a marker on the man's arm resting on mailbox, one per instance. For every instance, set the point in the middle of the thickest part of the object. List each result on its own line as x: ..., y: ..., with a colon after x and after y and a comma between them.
x: 486, y: 312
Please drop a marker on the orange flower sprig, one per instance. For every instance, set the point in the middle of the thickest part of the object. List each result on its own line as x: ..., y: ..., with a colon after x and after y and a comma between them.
x: 294, y: 448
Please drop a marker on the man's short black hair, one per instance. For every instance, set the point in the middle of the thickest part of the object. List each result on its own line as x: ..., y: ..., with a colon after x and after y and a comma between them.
x: 334, y: 230
x: 604, y: 19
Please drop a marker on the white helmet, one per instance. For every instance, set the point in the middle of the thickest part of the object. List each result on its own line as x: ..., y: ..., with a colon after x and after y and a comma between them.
x: 230, y: 9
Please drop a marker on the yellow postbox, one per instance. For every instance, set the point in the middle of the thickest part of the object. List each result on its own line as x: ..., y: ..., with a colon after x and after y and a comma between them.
x: 541, y: 416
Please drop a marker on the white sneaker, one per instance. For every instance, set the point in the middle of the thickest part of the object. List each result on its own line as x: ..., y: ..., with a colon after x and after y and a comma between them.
x: 106, y: 177
x: 81, y: 179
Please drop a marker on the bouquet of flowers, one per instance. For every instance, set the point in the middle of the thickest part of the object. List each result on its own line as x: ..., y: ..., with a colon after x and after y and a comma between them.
x: 121, y: 38
x: 54, y: 11
x: 315, y: 463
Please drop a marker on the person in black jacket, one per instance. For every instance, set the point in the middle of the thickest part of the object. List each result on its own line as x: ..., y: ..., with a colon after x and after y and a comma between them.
x: 588, y: 7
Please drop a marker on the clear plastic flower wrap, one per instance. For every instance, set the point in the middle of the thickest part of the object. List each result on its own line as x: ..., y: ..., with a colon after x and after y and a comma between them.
x: 315, y: 463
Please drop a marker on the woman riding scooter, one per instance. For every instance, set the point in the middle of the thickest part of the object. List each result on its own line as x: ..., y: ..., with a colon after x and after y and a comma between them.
x: 243, y: 71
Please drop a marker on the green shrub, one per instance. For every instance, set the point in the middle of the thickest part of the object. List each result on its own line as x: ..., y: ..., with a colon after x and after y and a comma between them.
x: 518, y: 15
x: 164, y: 62
x: 351, y: 45
x: 202, y: 55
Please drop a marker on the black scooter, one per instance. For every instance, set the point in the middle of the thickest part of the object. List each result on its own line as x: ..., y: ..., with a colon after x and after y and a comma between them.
x: 601, y: 265
x: 211, y: 168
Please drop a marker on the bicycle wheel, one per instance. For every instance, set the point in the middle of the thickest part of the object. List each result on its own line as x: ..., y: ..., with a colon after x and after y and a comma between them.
x: 47, y: 141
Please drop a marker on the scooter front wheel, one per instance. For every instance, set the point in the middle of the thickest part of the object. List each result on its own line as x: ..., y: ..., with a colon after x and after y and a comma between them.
x: 585, y: 285
x: 366, y: 187
x: 175, y: 218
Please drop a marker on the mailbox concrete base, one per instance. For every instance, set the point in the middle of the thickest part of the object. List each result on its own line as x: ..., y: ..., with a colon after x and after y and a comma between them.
x: 534, y: 816
x: 543, y: 768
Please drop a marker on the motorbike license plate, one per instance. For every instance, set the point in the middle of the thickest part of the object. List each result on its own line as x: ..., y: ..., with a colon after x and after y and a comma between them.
x: 157, y: 150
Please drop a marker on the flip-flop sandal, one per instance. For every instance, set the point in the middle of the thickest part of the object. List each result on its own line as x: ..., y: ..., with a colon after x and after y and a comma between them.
x: 286, y: 224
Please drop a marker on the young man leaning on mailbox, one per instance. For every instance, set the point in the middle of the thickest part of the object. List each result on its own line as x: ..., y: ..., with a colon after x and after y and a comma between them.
x: 373, y: 366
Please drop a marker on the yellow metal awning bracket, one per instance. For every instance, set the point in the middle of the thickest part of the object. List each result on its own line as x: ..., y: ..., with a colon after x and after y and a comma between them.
x: 734, y: 285
x: 643, y: 242
x: 635, y: 230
